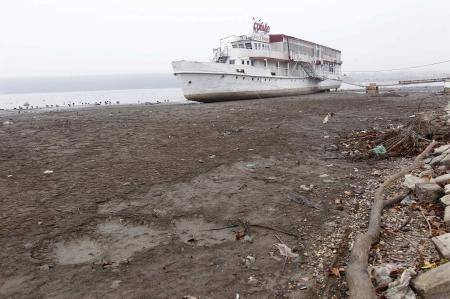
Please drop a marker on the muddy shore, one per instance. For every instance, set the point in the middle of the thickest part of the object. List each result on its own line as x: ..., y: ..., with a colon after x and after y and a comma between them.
x: 121, y: 201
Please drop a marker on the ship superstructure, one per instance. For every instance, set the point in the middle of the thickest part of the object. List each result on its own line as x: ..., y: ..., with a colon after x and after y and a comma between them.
x: 261, y: 65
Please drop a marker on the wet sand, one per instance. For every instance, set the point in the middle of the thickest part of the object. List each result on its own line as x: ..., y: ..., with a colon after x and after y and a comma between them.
x: 119, y: 201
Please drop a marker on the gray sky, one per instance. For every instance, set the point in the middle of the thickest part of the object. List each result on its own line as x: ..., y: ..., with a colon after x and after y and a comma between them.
x: 76, y: 37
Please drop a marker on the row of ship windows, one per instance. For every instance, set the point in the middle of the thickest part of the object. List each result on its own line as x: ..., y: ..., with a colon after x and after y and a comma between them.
x: 258, y: 79
x: 256, y: 46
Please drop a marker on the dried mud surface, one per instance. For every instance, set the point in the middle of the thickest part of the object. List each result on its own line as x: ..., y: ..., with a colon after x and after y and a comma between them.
x: 135, y: 191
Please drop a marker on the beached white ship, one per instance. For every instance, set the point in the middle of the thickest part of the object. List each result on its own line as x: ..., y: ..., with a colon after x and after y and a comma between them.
x: 260, y: 65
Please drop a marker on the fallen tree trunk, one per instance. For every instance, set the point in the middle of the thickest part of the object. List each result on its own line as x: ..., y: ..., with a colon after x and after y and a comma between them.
x: 358, y: 278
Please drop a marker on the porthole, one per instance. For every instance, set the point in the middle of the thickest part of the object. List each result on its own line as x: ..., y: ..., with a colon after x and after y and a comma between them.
x: 189, y: 82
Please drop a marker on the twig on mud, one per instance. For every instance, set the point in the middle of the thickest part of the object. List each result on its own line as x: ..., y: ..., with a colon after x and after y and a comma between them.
x: 428, y: 222
x: 220, y: 228
x: 255, y: 225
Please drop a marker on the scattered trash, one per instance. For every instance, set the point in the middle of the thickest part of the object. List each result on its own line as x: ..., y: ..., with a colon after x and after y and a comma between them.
x: 307, y: 188
x: 249, y: 260
x: 248, y: 238
x: 48, y: 172
x: 9, y: 176
x: 250, y: 166
x: 399, y: 289
x: 379, y: 150
x: 45, y: 267
x: 300, y: 199
x: 407, y: 201
x: 329, y: 181
x: 285, y: 251
x: 323, y: 175
x: 252, y: 280
x: 382, y: 273
x: 327, y: 118
x: 6, y: 123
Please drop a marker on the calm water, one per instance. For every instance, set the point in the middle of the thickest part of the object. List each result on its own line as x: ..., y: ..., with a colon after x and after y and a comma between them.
x: 80, y: 98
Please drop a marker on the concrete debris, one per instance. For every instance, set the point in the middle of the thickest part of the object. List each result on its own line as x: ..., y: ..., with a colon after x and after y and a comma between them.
x: 443, y: 179
x: 445, y: 200
x: 447, y: 189
x: 442, y: 244
x: 437, y: 159
x: 434, y: 283
x: 446, y: 161
x: 447, y: 216
x: 442, y: 149
x: 428, y: 191
x: 399, y: 289
x: 411, y: 181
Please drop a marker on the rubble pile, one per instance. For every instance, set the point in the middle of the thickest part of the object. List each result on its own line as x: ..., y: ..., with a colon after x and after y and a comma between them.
x: 402, y: 141
x: 414, y: 246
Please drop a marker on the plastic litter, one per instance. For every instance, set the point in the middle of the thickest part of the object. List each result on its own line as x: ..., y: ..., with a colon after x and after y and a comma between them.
x: 379, y: 150
x: 285, y: 251
x: 399, y: 289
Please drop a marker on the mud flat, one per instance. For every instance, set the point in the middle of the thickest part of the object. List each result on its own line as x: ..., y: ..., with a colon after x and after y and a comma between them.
x: 141, y: 200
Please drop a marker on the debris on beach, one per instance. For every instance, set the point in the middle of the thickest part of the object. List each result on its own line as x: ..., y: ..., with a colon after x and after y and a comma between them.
x: 401, y: 141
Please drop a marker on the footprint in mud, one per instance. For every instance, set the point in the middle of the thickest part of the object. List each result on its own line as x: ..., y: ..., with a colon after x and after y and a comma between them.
x: 195, y: 231
x: 112, y: 241
x: 78, y: 251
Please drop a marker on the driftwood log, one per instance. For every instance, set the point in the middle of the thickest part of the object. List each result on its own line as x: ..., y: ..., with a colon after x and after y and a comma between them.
x: 358, y: 278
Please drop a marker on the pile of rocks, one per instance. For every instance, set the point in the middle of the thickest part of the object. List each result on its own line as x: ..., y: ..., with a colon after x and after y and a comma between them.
x: 427, y: 186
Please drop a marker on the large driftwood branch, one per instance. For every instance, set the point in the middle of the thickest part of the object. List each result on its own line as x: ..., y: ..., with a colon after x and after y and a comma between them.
x: 358, y: 278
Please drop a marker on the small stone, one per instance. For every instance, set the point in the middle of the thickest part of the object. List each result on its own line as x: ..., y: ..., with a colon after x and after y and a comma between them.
x: 437, y: 159
x: 445, y: 161
x: 447, y: 189
x: 426, y: 173
x: 428, y: 191
x: 442, y: 244
x: 443, y: 179
x: 447, y: 216
x: 376, y: 173
x: 45, y: 267
x: 442, y: 149
x: 434, y: 283
x: 411, y: 181
x: 445, y: 200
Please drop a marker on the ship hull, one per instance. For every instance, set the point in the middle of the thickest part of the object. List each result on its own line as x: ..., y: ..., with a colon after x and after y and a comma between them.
x: 213, y: 82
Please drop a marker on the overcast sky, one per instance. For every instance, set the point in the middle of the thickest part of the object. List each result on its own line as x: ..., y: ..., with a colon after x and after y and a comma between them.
x: 76, y: 37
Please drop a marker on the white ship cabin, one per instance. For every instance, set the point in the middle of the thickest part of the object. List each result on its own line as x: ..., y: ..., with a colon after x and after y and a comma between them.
x: 283, y: 55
